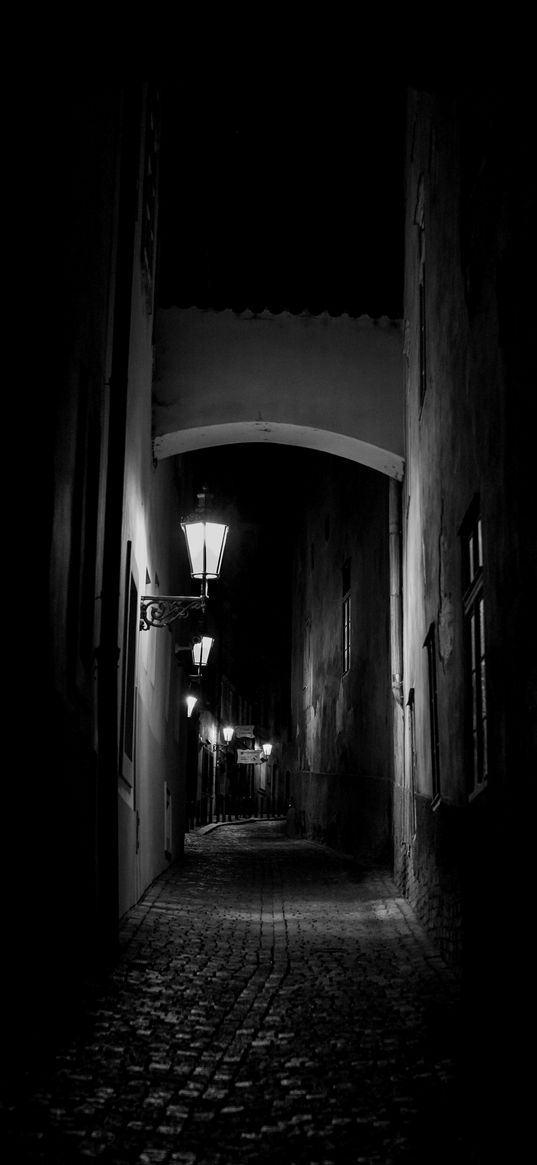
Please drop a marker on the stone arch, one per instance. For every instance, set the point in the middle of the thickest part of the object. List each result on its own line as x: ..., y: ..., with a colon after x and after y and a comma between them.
x: 333, y: 384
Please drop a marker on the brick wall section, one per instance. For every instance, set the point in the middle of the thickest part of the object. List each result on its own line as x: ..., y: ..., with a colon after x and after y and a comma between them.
x: 428, y: 871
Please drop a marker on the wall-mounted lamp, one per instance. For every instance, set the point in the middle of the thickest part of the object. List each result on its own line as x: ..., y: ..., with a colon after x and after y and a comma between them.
x: 206, y: 540
x: 267, y: 749
x: 191, y: 702
x: 200, y: 648
x: 227, y: 733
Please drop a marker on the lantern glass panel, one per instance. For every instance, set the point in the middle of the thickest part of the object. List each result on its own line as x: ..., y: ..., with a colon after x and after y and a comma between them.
x: 201, y: 649
x: 205, y: 542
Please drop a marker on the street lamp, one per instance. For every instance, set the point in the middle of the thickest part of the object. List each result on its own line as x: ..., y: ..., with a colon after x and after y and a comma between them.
x: 206, y: 540
x: 228, y: 733
x: 191, y: 702
x: 200, y: 648
x: 267, y: 749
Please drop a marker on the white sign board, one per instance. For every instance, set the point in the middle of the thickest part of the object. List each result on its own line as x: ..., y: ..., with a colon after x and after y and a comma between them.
x: 249, y: 756
x: 244, y: 730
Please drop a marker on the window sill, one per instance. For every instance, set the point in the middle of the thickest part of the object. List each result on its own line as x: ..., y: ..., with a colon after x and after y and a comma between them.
x: 477, y: 792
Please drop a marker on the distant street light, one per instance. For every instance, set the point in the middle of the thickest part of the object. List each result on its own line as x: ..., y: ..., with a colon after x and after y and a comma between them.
x: 200, y: 648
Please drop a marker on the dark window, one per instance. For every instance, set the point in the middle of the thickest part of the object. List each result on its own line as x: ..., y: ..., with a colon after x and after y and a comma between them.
x: 410, y: 829
x: 474, y: 642
x: 430, y: 645
x: 130, y: 641
x: 130, y: 669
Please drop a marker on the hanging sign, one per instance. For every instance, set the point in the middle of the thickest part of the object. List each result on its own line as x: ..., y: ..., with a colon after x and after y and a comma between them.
x: 245, y: 730
x: 249, y: 756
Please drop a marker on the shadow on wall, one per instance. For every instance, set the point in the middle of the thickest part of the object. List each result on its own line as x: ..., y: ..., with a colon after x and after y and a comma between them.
x: 351, y: 814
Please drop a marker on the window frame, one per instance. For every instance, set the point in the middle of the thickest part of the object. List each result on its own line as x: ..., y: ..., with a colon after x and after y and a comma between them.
x: 131, y: 627
x: 429, y: 644
x: 475, y: 654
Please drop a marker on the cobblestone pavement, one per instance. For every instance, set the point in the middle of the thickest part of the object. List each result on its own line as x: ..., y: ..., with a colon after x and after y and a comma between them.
x: 272, y: 1001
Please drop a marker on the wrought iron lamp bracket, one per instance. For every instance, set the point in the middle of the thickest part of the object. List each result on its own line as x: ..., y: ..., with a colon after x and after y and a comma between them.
x: 161, y: 610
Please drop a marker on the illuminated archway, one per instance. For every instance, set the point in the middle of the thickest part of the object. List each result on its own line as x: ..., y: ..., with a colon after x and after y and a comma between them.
x: 333, y: 384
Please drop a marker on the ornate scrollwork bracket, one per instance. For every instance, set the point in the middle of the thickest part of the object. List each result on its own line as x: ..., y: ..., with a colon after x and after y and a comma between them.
x: 161, y: 610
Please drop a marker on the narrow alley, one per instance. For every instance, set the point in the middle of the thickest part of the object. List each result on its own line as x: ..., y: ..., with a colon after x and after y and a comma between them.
x: 273, y: 1000
x: 274, y: 549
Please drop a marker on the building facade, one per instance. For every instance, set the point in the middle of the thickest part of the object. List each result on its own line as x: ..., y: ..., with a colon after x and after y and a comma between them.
x: 340, y: 751
x: 412, y: 722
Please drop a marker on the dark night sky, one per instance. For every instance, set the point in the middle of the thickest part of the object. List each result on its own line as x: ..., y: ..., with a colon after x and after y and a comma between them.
x: 287, y: 198
x: 282, y: 180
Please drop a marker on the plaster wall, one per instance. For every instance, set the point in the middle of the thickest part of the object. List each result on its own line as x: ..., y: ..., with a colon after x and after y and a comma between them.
x: 440, y: 483
x: 341, y: 731
x: 151, y: 536
x: 457, y: 447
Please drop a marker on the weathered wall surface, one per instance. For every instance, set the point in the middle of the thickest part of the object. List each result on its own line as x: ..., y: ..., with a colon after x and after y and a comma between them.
x: 440, y: 482
x: 341, y: 719
x: 101, y: 496
x: 466, y: 440
x: 153, y: 557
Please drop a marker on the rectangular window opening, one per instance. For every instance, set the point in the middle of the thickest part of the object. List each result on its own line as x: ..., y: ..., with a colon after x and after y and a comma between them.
x: 130, y: 641
x: 471, y: 534
x: 430, y: 645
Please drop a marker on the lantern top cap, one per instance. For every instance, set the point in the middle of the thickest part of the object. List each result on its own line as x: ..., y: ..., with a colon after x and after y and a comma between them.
x: 204, y: 510
x: 204, y: 499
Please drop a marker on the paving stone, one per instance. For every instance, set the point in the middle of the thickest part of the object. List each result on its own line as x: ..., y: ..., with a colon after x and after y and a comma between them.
x: 268, y: 1003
